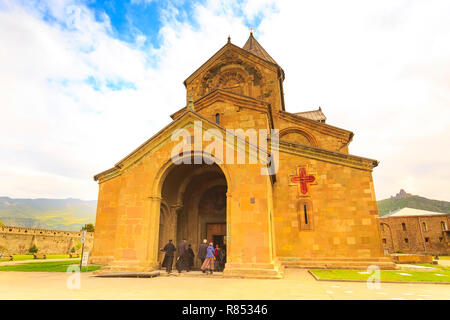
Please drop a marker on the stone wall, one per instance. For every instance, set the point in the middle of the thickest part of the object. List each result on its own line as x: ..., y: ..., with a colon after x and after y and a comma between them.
x: 17, y: 240
x: 419, y: 234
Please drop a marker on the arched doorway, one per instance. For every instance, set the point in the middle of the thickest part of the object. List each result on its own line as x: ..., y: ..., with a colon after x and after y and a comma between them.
x: 193, y: 206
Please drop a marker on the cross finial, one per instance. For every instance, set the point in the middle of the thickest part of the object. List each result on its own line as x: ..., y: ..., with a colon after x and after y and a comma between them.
x: 251, y: 30
x: 229, y: 39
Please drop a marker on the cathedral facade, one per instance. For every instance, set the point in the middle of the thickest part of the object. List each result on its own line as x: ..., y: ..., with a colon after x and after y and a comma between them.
x: 292, y: 197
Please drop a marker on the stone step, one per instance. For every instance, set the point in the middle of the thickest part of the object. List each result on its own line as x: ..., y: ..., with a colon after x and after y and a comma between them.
x: 127, y: 274
x: 297, y: 259
x: 338, y: 264
x: 254, y: 273
x: 191, y: 274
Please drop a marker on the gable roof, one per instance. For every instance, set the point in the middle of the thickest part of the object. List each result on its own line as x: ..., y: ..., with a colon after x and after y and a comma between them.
x: 144, y: 148
x: 316, y: 115
x: 205, y: 101
x: 230, y: 45
x: 411, y: 212
x: 254, y: 47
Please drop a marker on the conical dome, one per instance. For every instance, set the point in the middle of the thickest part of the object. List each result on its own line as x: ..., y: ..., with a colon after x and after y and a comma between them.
x: 254, y: 47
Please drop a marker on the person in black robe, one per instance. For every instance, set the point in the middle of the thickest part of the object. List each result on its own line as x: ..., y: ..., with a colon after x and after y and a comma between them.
x: 183, y: 257
x: 169, y: 250
x: 191, y: 258
x: 222, y: 258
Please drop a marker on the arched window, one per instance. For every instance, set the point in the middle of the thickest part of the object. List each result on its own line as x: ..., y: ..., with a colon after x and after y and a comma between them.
x: 217, y: 118
x: 424, y: 226
x: 403, y: 226
x: 304, y: 215
x: 443, y: 226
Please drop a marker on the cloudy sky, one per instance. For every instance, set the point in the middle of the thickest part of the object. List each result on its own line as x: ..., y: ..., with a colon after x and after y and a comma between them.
x: 83, y: 83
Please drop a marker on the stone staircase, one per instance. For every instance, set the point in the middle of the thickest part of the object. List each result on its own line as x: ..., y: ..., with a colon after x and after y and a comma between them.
x: 384, y: 263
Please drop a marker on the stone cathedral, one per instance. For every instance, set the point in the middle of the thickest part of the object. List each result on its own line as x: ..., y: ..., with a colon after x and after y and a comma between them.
x: 317, y: 209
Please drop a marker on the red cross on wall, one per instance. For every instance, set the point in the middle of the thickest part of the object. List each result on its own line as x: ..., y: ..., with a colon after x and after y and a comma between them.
x: 302, y: 179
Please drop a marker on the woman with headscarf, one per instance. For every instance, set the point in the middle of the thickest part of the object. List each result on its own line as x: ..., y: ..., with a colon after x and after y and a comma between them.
x: 208, y: 264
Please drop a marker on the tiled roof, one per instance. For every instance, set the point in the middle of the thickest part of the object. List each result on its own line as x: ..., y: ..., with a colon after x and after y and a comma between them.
x: 254, y: 47
x: 316, y: 115
x: 410, y: 212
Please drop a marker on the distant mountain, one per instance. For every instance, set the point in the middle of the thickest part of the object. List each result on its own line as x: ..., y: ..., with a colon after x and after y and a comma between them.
x: 62, y: 214
x: 403, y: 200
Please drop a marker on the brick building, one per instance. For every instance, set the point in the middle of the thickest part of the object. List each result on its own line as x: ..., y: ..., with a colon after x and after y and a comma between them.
x: 416, y: 231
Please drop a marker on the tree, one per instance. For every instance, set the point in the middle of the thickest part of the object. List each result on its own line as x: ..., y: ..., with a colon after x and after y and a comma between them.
x: 2, y: 224
x: 88, y: 227
x: 33, y: 249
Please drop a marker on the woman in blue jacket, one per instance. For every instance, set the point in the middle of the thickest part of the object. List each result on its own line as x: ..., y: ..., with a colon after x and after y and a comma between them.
x: 208, y: 264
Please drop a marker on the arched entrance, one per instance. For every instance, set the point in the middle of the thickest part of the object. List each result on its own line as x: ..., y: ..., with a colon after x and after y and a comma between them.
x: 193, y: 206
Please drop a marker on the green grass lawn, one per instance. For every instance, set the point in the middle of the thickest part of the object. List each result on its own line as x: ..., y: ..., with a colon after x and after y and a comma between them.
x: 52, y: 266
x: 438, y: 275
x: 444, y: 257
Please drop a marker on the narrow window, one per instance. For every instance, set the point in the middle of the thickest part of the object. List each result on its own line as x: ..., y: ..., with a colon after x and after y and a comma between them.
x: 427, y: 239
x: 217, y: 118
x: 441, y: 239
x: 384, y: 241
x: 404, y: 226
x: 305, y: 212
x: 424, y: 226
x: 443, y: 227
x: 406, y: 240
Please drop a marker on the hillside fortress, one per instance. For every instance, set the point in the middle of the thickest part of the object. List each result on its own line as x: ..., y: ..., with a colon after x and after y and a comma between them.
x: 304, y: 201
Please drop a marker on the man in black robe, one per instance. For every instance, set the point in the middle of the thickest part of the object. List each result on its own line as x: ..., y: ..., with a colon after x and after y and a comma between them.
x: 183, y: 257
x: 222, y: 258
x: 169, y: 249
x: 191, y: 257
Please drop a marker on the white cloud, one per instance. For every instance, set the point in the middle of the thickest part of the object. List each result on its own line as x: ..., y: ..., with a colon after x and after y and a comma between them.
x: 379, y: 69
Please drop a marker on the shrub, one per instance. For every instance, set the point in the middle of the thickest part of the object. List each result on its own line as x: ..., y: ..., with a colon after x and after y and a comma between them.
x: 88, y: 227
x: 399, y: 251
x: 33, y: 249
x: 73, y: 250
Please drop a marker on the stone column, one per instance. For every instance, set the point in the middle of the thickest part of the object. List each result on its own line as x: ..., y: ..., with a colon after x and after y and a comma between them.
x: 228, y: 221
x: 174, y: 221
x: 154, y: 214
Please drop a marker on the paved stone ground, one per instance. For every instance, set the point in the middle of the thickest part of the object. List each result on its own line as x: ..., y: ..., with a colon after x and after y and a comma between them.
x: 298, y: 284
x: 445, y: 263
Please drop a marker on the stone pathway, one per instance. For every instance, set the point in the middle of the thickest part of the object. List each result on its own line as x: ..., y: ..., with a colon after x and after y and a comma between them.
x: 444, y: 263
x: 297, y: 284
